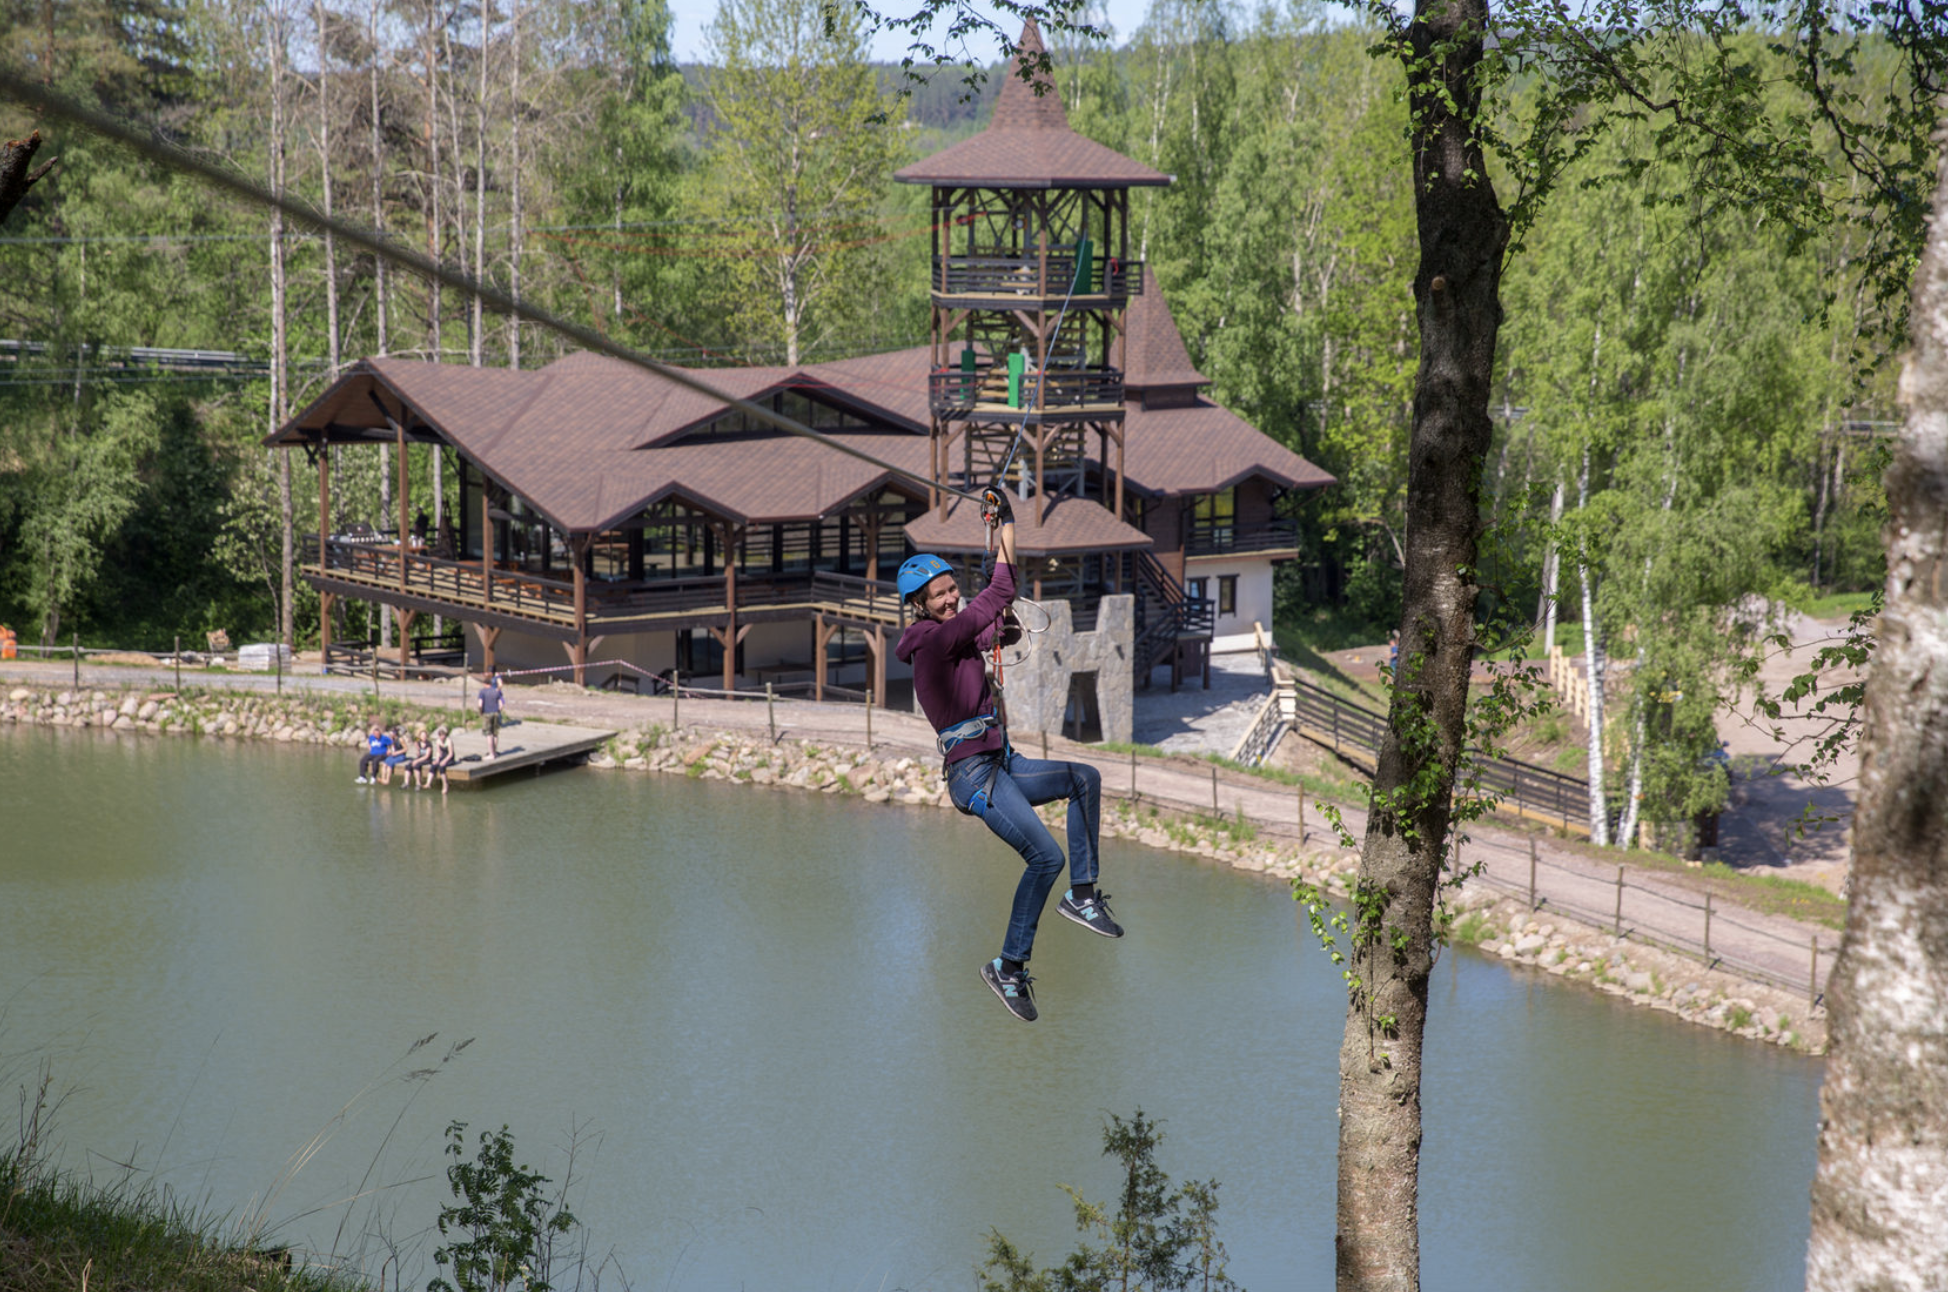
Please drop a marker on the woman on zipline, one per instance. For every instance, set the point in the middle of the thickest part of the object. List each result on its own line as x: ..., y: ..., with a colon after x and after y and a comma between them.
x: 985, y: 776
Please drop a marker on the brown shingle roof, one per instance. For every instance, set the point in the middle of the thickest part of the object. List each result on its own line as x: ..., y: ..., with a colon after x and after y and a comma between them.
x: 1202, y: 448
x: 1157, y: 356
x: 1028, y: 142
x: 1072, y: 526
x: 575, y: 440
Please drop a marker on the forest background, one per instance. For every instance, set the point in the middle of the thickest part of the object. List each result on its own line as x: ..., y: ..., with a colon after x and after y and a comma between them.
x: 1693, y: 400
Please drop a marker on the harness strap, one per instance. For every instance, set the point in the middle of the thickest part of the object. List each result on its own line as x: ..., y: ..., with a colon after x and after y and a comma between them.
x: 973, y: 729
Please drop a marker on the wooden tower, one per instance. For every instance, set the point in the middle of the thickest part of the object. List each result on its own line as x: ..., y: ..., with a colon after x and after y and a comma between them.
x: 1031, y: 275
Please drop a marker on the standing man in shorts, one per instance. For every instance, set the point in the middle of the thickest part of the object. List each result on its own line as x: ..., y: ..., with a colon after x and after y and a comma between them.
x: 491, y: 703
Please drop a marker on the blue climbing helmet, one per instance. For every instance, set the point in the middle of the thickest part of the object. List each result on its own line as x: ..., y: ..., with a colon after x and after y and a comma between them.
x: 919, y: 571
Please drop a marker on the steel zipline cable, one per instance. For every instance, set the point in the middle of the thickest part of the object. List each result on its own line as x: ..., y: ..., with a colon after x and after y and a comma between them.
x: 39, y: 98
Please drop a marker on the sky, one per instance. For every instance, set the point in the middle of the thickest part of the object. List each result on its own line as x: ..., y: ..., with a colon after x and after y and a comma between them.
x: 692, y: 16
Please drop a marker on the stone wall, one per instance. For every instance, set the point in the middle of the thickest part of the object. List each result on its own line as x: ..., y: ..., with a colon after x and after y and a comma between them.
x: 1038, y: 687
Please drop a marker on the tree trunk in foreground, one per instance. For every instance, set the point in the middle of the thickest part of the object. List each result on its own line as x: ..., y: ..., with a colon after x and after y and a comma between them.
x: 1880, y: 1197
x: 1457, y: 293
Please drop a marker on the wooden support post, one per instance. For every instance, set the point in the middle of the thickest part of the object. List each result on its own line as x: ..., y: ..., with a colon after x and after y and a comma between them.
x: 405, y: 503
x: 876, y: 648
x: 735, y: 634
x: 486, y: 544
x: 1044, y: 744
x: 179, y: 662
x: 869, y: 723
x: 821, y: 639
x: 405, y: 618
x: 1214, y: 790
x: 676, y: 699
x: 326, y: 602
x: 578, y: 549
x: 488, y: 636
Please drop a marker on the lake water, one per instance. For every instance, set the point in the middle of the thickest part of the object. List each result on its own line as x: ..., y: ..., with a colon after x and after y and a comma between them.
x: 759, y: 1011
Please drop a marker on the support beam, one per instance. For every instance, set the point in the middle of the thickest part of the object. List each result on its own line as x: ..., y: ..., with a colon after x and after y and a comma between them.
x: 821, y: 640
x: 486, y: 542
x: 730, y: 637
x: 406, y: 618
x: 405, y: 505
x: 578, y: 547
x: 326, y: 602
x: 488, y: 637
x: 324, y: 538
x: 876, y: 647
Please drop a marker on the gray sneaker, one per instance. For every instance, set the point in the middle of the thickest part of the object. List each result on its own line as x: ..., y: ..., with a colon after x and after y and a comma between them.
x: 1014, y: 989
x: 1091, y: 913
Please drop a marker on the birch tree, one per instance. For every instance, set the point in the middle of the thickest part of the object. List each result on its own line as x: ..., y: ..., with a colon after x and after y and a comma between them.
x: 803, y: 149
x: 1877, y: 1216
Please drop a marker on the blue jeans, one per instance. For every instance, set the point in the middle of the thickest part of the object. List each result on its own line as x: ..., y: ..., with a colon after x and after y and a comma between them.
x: 1017, y: 787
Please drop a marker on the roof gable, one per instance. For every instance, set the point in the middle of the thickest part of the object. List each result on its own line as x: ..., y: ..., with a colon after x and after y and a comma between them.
x: 1156, y: 356
x: 1028, y: 142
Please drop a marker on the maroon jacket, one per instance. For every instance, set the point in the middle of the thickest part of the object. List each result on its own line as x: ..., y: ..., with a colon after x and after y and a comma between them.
x: 948, y: 675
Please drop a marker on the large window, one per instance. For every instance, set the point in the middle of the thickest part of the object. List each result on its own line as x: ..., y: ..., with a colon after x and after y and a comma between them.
x: 1214, y: 520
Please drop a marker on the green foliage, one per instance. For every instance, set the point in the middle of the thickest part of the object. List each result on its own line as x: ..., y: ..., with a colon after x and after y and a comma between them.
x: 501, y: 1232
x: 802, y: 148
x: 1155, y: 1239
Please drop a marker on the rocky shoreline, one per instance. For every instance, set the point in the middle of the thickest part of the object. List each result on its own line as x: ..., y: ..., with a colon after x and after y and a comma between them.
x: 1631, y: 970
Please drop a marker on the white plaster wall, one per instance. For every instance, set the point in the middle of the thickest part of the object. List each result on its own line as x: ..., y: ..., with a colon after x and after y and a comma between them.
x: 1233, y: 632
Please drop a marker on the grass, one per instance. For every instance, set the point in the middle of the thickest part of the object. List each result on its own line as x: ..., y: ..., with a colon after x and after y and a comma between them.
x: 1778, y: 895
x: 1472, y: 930
x: 1834, y: 605
x: 58, y: 1234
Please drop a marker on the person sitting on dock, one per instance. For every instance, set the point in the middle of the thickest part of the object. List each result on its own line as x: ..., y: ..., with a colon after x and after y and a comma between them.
x: 986, y: 777
x: 397, y: 758
x: 492, y: 702
x: 442, y: 757
x: 377, y: 746
x: 417, y: 766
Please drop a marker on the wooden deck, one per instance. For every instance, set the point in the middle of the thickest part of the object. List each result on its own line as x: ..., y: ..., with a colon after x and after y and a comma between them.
x: 525, y: 747
x: 547, y: 606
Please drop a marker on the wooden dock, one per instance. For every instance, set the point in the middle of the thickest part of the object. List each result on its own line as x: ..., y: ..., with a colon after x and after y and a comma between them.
x: 525, y: 747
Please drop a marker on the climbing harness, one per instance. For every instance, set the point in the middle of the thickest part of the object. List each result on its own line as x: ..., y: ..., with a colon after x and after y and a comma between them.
x: 961, y: 732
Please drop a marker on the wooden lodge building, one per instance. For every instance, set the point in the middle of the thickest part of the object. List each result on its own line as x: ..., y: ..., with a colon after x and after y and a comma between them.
x: 616, y: 525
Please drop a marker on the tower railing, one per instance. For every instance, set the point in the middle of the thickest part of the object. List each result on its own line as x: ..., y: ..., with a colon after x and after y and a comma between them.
x: 1020, y: 274
x: 989, y: 388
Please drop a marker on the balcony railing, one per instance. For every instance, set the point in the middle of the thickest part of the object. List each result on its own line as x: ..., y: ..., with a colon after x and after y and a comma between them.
x: 516, y: 592
x: 1065, y: 392
x: 1016, y: 276
x: 380, y: 564
x: 1263, y: 536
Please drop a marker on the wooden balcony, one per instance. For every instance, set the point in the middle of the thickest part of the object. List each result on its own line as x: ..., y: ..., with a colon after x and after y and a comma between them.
x: 1065, y: 395
x: 1280, y: 535
x: 1001, y: 280
x: 378, y: 571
